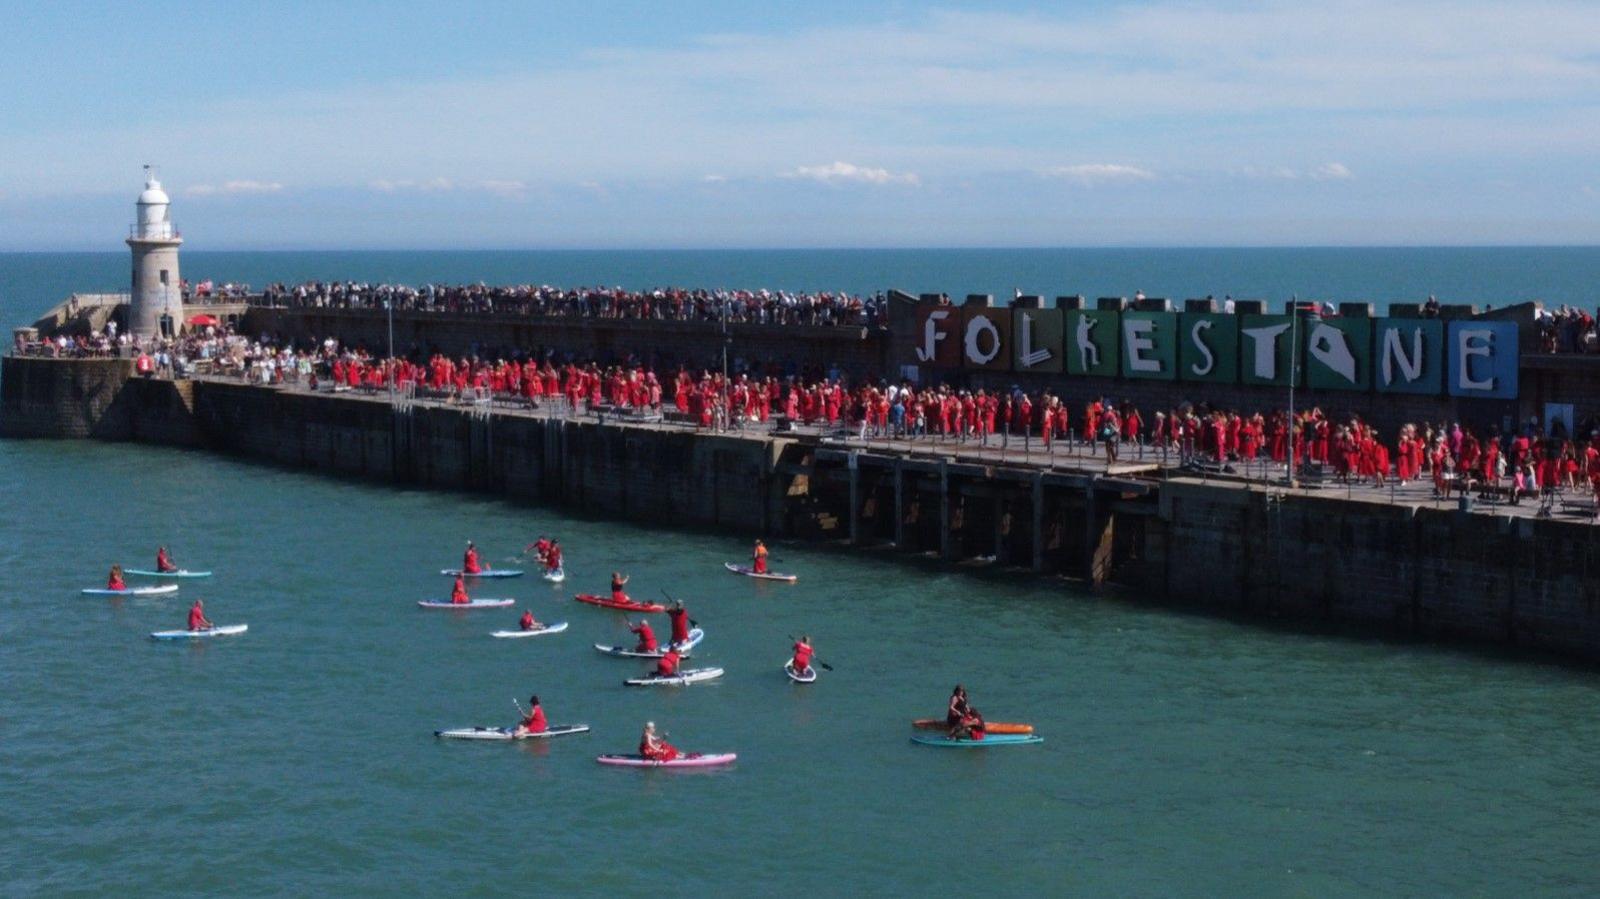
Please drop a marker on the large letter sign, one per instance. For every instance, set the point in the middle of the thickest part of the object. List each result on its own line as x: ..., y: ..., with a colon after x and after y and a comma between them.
x: 939, y: 345
x: 1092, y: 342
x: 1208, y: 347
x: 1149, y: 345
x: 1338, y: 353
x: 983, y: 343
x: 1483, y: 359
x: 1036, y: 340
x: 1265, y: 349
x: 1410, y: 356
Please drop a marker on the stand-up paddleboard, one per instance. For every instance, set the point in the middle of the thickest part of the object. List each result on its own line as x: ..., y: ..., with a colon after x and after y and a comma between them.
x: 505, y: 733
x: 800, y: 677
x: 628, y: 652
x: 555, y: 577
x: 992, y: 727
x: 765, y: 576
x: 556, y: 628
x: 692, y: 760
x: 629, y: 606
x: 473, y: 604
x: 989, y: 740
x: 180, y: 573
x: 162, y: 590
x: 686, y: 676
x: 486, y: 573
x: 226, y: 630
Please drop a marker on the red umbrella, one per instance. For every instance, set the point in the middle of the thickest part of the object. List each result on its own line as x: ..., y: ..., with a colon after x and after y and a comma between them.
x: 203, y: 320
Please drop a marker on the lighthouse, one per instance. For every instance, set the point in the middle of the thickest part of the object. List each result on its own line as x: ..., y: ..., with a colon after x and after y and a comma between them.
x: 157, y: 302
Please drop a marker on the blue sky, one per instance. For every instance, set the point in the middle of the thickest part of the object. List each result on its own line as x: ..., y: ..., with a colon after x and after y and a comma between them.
x: 598, y: 124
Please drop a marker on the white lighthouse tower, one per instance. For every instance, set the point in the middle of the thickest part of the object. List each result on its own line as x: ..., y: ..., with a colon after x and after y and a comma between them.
x: 157, y: 303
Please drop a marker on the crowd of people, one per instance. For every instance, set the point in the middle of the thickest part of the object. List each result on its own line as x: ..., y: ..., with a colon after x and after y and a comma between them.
x: 1567, y: 329
x: 669, y: 303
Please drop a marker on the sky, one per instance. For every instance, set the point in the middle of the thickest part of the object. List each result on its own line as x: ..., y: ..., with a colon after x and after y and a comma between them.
x: 821, y: 124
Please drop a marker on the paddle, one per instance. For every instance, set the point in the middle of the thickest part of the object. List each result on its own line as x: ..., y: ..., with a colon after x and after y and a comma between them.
x: 824, y: 665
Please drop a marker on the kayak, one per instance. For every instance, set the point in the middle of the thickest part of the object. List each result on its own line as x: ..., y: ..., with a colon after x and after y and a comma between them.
x: 686, y: 676
x: 504, y: 733
x: 555, y: 577
x: 992, y: 727
x: 473, y: 604
x: 799, y: 677
x: 226, y: 630
x: 627, y: 652
x: 990, y: 740
x: 765, y: 576
x: 180, y: 573
x: 691, y: 760
x: 556, y: 628
x: 133, y: 591
x: 496, y: 572
x: 629, y: 606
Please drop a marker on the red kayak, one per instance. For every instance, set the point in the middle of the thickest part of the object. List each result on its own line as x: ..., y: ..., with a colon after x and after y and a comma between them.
x: 629, y: 606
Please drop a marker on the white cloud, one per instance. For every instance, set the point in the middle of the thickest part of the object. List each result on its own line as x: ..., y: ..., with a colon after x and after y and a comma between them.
x: 1332, y: 171
x: 503, y: 188
x: 839, y: 172
x: 714, y: 179
x: 233, y: 188
x: 1090, y: 174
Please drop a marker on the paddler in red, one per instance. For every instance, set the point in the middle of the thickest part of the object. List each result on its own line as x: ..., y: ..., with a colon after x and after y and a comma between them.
x: 458, y: 593
x: 802, y: 654
x: 758, y: 558
x: 654, y: 747
x: 528, y: 622
x: 618, y: 580
x: 534, y: 723
x: 469, y: 560
x: 114, y: 579
x: 667, y: 665
x: 552, y: 557
x: 197, y: 617
x: 647, y: 637
x: 164, y: 561
x: 680, y: 623
x: 541, y: 548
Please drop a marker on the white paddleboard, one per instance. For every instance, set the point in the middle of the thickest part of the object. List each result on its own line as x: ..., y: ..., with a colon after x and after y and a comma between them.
x: 180, y: 573
x: 556, y: 628
x: 628, y: 652
x: 504, y: 733
x: 487, y: 572
x: 799, y: 677
x: 474, y: 604
x: 133, y: 591
x: 765, y: 576
x: 226, y: 630
x: 686, y: 676
x: 555, y: 577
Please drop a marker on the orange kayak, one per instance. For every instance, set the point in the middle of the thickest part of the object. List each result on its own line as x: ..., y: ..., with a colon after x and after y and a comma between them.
x: 993, y: 727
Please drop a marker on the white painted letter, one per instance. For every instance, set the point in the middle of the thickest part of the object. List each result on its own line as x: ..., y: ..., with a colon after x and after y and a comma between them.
x: 981, y: 324
x: 1395, y: 351
x: 1465, y: 348
x: 1136, y: 340
x: 931, y: 332
x: 1330, y: 346
x: 1266, y: 344
x: 1211, y: 360
x: 1086, y: 347
x: 1026, y: 353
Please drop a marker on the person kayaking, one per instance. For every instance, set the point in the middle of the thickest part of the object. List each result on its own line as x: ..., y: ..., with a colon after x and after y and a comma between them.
x: 667, y: 665
x: 652, y: 746
x: 758, y: 559
x: 618, y: 581
x: 469, y: 560
x: 802, y: 654
x: 680, y: 623
x: 197, y: 617
x: 962, y: 719
x: 647, y: 637
x: 164, y: 561
x: 528, y: 622
x: 534, y: 722
x: 458, y: 593
x: 552, y: 557
x: 114, y: 580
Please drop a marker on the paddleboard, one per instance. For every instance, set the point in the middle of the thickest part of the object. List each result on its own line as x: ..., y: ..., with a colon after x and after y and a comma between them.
x: 990, y: 740
x: 799, y: 677
x: 683, y: 677
x: 555, y: 577
x: 609, y: 603
x: 556, y: 628
x: 993, y: 727
x: 504, y: 733
x: 180, y: 573
x: 767, y: 576
x: 628, y: 652
x: 133, y: 591
x: 486, y: 573
x: 692, y: 760
x: 226, y: 630
x: 474, y: 604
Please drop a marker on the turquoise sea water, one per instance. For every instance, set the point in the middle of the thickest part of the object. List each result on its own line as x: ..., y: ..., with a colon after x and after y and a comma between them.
x: 1184, y: 755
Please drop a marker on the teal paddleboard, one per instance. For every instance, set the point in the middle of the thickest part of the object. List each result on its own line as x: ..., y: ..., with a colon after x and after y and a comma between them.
x: 989, y: 740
